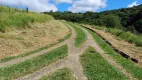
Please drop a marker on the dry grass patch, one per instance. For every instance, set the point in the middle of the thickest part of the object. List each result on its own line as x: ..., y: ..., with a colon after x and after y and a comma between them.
x: 15, y: 42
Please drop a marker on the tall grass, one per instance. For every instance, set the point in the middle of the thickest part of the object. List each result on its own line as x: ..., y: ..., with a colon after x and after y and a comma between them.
x: 20, y: 20
x: 97, y: 68
x: 124, y: 35
x: 6, y: 9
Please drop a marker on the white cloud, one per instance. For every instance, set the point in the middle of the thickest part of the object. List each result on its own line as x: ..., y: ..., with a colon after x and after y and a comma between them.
x: 87, y: 5
x: 62, y: 1
x: 33, y: 5
x: 133, y: 4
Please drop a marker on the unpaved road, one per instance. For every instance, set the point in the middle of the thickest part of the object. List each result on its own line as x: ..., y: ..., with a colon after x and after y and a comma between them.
x: 72, y: 60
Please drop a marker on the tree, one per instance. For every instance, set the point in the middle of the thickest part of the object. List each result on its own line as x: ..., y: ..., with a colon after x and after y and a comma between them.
x: 112, y: 21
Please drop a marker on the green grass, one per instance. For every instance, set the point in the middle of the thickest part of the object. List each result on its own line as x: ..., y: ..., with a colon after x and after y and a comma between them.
x: 61, y: 74
x: 35, y: 51
x: 131, y: 67
x: 20, y: 20
x: 97, y: 68
x: 32, y: 65
x: 81, y: 36
x: 124, y: 35
x: 6, y: 9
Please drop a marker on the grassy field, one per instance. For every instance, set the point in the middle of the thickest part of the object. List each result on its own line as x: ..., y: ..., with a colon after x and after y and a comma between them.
x: 61, y: 74
x: 34, y: 51
x: 124, y: 35
x: 29, y: 66
x: 131, y: 67
x: 97, y: 68
x: 81, y: 36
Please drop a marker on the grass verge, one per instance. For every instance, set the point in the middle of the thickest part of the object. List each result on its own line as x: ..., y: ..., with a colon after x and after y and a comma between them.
x: 97, y: 68
x: 61, y: 74
x: 81, y: 36
x: 35, y: 51
x: 131, y: 67
x: 29, y: 66
x: 124, y: 35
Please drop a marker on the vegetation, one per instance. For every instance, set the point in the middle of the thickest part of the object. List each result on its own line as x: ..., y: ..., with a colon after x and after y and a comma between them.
x: 131, y: 67
x: 34, y: 51
x: 138, y: 25
x: 8, y: 9
x: 29, y: 66
x: 97, y: 68
x: 81, y: 36
x: 61, y: 74
x: 124, y: 35
x: 128, y: 19
x: 19, y: 19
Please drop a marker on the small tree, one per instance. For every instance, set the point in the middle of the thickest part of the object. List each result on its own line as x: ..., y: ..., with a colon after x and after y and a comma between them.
x: 112, y: 21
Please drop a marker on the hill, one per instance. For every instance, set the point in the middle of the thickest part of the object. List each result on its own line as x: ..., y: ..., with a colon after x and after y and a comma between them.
x: 129, y: 19
x: 22, y: 32
x: 15, y: 18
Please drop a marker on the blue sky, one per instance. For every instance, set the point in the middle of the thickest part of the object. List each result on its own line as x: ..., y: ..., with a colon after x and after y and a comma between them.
x: 71, y: 5
x: 116, y: 4
x: 111, y: 4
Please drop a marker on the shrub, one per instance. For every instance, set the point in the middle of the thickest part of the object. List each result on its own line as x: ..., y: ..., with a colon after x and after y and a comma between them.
x: 112, y: 21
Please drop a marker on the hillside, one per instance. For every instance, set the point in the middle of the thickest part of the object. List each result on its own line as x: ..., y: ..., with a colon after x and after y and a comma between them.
x: 130, y: 19
x: 22, y: 32
x: 19, y: 19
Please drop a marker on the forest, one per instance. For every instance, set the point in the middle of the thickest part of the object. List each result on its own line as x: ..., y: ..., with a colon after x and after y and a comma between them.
x: 128, y: 19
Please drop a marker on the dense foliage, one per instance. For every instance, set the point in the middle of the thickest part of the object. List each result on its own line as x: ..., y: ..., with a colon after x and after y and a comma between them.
x: 129, y: 19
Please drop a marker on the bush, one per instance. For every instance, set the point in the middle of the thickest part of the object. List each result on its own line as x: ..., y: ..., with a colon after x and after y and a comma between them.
x: 112, y: 21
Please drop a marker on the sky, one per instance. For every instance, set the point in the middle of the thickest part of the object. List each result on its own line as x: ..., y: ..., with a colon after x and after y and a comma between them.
x: 71, y: 5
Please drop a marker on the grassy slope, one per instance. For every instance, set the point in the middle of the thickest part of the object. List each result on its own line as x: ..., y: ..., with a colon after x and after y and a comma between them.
x: 128, y: 36
x: 6, y: 9
x: 29, y: 66
x: 97, y: 68
x: 61, y: 74
x: 81, y: 36
x: 20, y: 20
x: 131, y: 67
x: 34, y: 51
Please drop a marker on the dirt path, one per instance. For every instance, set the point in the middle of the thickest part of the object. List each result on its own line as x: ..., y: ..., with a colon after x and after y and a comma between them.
x: 72, y: 61
x: 109, y: 59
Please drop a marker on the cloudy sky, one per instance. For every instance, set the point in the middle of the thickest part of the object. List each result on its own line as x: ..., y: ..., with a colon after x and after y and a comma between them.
x: 71, y: 5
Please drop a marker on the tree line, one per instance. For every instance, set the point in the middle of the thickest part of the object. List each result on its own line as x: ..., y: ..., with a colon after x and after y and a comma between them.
x: 129, y: 19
